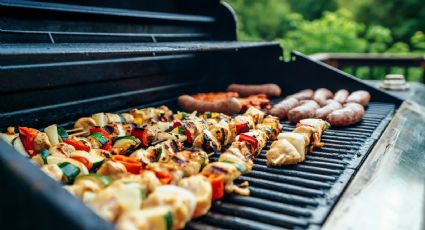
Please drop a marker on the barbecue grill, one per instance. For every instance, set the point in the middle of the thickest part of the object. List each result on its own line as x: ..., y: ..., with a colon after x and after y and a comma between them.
x: 62, y: 61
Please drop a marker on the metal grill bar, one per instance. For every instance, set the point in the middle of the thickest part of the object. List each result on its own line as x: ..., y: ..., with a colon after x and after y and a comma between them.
x: 300, y: 196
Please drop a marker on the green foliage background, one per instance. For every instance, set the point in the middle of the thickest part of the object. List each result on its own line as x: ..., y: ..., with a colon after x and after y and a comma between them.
x: 312, y: 26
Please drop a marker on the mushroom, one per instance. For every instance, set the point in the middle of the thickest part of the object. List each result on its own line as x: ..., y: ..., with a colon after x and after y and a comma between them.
x: 82, y: 126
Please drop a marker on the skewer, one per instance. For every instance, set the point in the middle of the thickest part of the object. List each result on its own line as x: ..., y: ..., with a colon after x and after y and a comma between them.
x: 79, y: 134
x: 74, y: 130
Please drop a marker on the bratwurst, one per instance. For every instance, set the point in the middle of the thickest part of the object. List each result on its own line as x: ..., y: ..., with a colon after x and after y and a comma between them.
x: 271, y: 90
x: 331, y: 105
x: 321, y: 95
x: 341, y: 95
x: 350, y: 114
x: 306, y: 110
x: 228, y: 106
x: 305, y: 94
x: 361, y: 96
x: 282, y: 108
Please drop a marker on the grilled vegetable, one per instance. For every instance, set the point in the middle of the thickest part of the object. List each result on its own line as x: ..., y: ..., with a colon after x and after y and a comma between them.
x: 77, y: 144
x: 217, y: 185
x: 164, y: 177
x: 142, y: 135
x: 102, y: 180
x: 132, y: 165
x: 93, y: 161
x: 127, y: 144
x: 27, y: 136
x: 17, y: 144
x: 69, y: 170
x: 44, y: 154
x: 58, y: 160
x: 52, y: 133
x: 100, y: 119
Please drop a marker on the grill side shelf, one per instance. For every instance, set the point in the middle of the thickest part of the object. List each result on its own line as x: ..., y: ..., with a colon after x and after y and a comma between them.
x: 300, y: 196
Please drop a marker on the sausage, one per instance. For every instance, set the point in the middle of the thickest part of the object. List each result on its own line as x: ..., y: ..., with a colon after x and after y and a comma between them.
x: 271, y: 90
x: 341, y: 95
x: 331, y: 106
x: 305, y: 94
x: 350, y: 114
x: 282, y: 108
x: 306, y: 110
x: 321, y: 95
x: 228, y: 106
x: 361, y: 96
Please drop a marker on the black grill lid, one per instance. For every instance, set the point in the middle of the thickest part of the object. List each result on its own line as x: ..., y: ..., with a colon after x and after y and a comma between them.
x: 46, y: 22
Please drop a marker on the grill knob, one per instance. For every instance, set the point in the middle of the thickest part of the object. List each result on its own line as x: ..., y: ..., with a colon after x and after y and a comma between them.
x: 394, y: 82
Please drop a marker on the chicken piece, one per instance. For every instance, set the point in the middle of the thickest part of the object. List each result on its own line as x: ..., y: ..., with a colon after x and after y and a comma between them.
x: 311, y: 135
x: 41, y: 141
x: 200, y: 187
x: 112, y: 169
x: 181, y: 201
x: 128, y: 118
x: 319, y: 124
x: 221, y: 131
x: 233, y: 155
x: 207, y: 142
x: 145, y: 156
x: 114, y: 118
x: 244, y: 119
x: 256, y: 114
x: 62, y: 149
x: 120, y: 196
x: 53, y: 171
x: 174, y: 169
x: 228, y: 171
x: 271, y: 126
x: 157, y: 218
x: 281, y: 153
x: 244, y: 148
x: 297, y: 140
x: 256, y: 138
x: 81, y: 186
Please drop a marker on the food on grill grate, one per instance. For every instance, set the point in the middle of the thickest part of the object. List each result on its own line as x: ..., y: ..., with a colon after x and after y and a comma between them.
x: 349, y: 115
x: 132, y: 164
x: 227, y: 106
x: 341, y: 95
x: 361, y: 96
x: 258, y: 101
x: 305, y: 94
x: 331, y: 105
x: 292, y: 147
x: 336, y: 111
x: 305, y: 110
x: 282, y: 108
x: 322, y: 95
x: 271, y: 90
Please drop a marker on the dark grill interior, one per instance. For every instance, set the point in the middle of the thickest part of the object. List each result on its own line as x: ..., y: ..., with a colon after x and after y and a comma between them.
x: 300, y: 196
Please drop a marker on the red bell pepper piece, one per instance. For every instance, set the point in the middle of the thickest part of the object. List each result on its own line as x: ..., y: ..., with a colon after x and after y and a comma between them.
x: 78, y: 145
x: 82, y: 160
x: 142, y: 135
x: 132, y: 165
x: 217, y: 185
x: 27, y: 136
x: 189, y: 138
x: 176, y: 124
x: 164, y: 177
x: 251, y: 140
x: 242, y: 128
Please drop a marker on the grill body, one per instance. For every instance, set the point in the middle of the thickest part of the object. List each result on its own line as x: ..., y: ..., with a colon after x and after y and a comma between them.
x: 61, y: 62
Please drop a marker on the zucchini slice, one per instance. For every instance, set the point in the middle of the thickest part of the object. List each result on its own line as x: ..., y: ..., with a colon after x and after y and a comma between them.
x: 127, y: 144
x: 63, y: 135
x: 102, y: 180
x: 95, y: 160
x: 17, y: 144
x: 44, y: 154
x: 69, y: 170
x: 99, y: 138
x: 52, y: 159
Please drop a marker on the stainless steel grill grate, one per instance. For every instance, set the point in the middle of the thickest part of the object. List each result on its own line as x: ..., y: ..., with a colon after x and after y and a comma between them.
x: 300, y: 196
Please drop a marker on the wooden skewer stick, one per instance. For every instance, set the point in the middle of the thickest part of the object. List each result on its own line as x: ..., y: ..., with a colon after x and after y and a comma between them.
x: 74, y: 130
x: 83, y: 133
